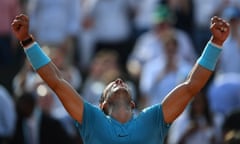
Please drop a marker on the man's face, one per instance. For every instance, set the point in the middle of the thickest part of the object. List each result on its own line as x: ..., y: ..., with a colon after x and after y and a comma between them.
x: 116, y: 88
x: 116, y: 91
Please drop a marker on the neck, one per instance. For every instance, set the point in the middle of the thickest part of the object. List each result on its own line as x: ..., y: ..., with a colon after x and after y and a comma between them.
x: 120, y: 112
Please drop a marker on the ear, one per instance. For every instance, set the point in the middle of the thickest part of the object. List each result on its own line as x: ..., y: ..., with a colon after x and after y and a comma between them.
x: 103, y: 106
x: 133, y: 104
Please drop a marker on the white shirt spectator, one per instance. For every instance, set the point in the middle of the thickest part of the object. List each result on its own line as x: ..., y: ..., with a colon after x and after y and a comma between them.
x: 202, y: 136
x: 225, y: 66
x: 52, y: 21
x: 231, y: 14
x: 224, y: 93
x: 111, y: 20
x: 204, y: 10
x: 144, y: 10
x: 149, y: 46
x: 157, y: 90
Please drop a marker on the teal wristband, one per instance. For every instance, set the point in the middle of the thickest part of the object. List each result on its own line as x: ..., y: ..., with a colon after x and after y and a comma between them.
x: 209, y: 57
x: 36, y: 56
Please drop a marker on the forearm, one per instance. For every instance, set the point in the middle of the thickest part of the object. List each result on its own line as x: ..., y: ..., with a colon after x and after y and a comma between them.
x: 203, y: 68
x: 67, y: 94
x: 178, y: 99
x: 50, y: 74
x: 42, y: 64
x: 53, y: 77
x: 197, y: 79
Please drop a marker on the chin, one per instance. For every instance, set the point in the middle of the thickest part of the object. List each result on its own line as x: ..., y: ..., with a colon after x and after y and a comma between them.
x: 121, y: 93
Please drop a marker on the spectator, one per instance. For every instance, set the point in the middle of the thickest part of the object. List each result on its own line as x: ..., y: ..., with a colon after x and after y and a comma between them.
x: 203, y: 11
x: 231, y: 14
x: 143, y: 15
x: 197, y: 124
x: 22, y: 80
x: 34, y: 126
x: 150, y: 45
x: 7, y: 116
x: 55, y: 23
x: 86, y: 39
x: 184, y: 12
x: 159, y: 76
x: 9, y: 9
x: 224, y: 93
x: 112, y: 26
x: 231, y: 127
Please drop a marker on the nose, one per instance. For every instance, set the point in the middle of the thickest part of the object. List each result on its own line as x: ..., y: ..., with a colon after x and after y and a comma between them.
x: 119, y: 81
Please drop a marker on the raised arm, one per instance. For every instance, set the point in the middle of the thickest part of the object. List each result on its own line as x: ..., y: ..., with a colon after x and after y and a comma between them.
x: 176, y: 101
x: 71, y: 100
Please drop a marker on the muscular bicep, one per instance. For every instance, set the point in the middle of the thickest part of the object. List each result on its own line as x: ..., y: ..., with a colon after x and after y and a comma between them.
x: 177, y: 100
x: 68, y: 96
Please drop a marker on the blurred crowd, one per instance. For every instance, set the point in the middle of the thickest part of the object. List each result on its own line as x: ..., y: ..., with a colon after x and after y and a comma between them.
x: 151, y: 44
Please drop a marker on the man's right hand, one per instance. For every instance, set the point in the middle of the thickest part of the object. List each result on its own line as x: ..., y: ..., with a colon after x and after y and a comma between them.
x: 20, y: 27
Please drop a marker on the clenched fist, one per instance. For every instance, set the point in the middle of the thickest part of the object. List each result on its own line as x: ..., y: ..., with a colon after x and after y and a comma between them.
x: 20, y: 27
x: 220, y: 30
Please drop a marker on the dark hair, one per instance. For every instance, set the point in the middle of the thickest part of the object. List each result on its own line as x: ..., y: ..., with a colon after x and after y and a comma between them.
x: 102, y: 98
x: 231, y: 121
x: 26, y: 104
x: 106, y: 91
x: 28, y: 97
